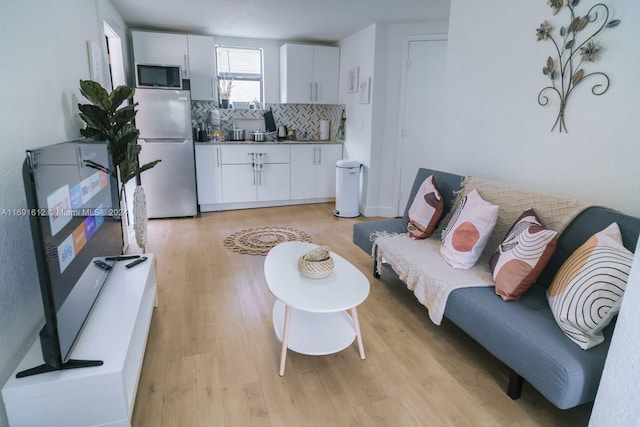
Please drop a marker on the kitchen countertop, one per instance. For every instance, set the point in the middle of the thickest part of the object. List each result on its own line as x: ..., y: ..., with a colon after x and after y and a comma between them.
x: 250, y: 141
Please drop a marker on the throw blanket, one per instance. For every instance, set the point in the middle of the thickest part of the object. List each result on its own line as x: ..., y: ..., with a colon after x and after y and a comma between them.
x: 419, y: 264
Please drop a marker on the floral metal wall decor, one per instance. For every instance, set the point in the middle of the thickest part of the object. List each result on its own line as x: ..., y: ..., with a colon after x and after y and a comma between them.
x: 574, y: 48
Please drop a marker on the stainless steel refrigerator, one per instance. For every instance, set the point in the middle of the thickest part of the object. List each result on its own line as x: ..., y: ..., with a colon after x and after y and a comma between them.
x: 164, y: 121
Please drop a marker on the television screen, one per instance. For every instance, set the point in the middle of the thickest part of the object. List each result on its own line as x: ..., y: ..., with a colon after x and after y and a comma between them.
x: 75, y: 221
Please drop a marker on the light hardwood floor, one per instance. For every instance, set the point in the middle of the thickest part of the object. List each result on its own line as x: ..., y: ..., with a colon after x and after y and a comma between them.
x: 212, y: 355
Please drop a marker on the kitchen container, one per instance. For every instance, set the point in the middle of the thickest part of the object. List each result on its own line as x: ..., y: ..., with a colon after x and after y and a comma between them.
x: 324, y: 130
x: 347, y: 188
x: 282, y: 132
x: 237, y: 134
x: 258, y: 136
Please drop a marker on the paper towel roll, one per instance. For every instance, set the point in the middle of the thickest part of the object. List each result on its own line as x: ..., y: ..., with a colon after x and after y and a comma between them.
x: 324, y: 130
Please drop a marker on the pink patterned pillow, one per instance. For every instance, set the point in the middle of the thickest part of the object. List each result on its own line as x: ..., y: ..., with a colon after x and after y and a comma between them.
x: 426, y: 210
x: 522, y: 255
x: 466, y: 235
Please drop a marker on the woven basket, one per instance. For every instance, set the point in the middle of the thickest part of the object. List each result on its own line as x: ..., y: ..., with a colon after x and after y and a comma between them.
x: 317, y: 263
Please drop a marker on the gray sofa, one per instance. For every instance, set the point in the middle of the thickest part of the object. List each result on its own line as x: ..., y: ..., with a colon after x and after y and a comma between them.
x: 523, y: 334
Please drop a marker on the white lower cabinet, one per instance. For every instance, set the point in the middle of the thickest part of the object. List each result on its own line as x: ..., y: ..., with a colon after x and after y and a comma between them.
x: 237, y: 176
x: 115, y: 332
x: 252, y: 173
x: 273, y: 182
x: 313, y: 170
x: 209, y: 174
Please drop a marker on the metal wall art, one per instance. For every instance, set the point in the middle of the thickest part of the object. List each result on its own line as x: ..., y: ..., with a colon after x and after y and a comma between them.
x: 575, y: 47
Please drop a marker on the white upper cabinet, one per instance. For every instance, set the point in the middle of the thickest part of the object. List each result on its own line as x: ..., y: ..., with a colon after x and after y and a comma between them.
x: 195, y: 54
x: 161, y: 48
x: 202, y: 68
x: 309, y: 74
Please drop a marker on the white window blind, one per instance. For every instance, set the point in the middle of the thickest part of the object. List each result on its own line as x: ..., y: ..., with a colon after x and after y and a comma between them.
x: 240, y: 63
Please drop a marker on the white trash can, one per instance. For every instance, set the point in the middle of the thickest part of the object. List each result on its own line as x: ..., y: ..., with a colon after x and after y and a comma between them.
x: 347, y: 188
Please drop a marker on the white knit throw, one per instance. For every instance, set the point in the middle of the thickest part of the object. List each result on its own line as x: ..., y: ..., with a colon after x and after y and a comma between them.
x: 419, y: 263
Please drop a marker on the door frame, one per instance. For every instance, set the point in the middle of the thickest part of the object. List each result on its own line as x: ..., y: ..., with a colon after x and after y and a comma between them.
x: 401, y: 131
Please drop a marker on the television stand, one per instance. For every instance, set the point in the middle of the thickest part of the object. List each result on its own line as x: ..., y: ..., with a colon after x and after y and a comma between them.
x: 70, y: 364
x: 116, y: 332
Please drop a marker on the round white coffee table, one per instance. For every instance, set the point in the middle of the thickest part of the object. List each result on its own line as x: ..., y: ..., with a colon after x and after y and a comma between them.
x: 310, y: 315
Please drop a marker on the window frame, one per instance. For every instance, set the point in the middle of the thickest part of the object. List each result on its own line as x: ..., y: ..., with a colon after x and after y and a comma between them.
x: 220, y: 77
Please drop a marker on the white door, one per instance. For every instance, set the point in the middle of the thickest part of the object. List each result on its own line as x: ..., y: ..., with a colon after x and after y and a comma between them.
x: 421, y: 107
x: 303, y: 171
x: 208, y: 174
x: 296, y: 73
x: 328, y: 156
x: 239, y: 183
x: 326, y: 65
x: 273, y: 182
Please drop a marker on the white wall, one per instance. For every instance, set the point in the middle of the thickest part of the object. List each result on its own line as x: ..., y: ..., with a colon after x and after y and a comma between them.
x: 43, y: 46
x: 359, y: 50
x: 497, y: 130
x: 617, y: 402
x: 372, y: 130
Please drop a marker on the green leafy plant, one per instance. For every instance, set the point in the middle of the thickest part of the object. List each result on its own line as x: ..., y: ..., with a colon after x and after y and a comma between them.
x: 105, y: 119
x: 574, y: 48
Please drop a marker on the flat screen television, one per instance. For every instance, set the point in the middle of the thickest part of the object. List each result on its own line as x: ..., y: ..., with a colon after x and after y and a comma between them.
x: 75, y: 222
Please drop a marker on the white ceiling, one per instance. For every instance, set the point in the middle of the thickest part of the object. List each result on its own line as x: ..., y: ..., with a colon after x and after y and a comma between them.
x: 294, y: 20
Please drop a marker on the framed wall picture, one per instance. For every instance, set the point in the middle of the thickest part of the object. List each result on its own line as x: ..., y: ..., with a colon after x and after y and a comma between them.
x: 95, y: 62
x: 353, y: 78
x: 364, y: 90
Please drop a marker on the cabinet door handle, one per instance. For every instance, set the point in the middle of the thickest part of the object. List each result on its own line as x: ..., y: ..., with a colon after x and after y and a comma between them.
x: 218, y: 155
x: 213, y: 94
x: 319, y: 156
x: 186, y: 66
x: 311, y: 91
x: 253, y: 167
x: 316, y: 85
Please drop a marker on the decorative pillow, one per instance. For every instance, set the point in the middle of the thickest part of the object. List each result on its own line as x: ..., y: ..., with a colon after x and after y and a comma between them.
x: 587, y: 290
x: 426, y: 210
x: 467, y: 233
x: 522, y: 255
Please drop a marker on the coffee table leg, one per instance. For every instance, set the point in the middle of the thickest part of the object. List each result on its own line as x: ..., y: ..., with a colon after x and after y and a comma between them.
x: 356, y: 325
x: 285, y: 338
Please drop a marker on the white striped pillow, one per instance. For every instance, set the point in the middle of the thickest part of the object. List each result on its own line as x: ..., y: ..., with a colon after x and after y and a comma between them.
x: 587, y: 291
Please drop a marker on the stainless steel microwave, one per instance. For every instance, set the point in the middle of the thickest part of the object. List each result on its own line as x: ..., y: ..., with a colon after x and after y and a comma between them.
x: 159, y: 76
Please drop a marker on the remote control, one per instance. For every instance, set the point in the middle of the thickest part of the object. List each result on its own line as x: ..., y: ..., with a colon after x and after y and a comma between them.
x: 103, y: 265
x: 136, y: 262
x: 121, y: 257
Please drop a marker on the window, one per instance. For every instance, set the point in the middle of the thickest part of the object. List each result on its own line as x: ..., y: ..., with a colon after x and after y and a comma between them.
x: 239, y: 74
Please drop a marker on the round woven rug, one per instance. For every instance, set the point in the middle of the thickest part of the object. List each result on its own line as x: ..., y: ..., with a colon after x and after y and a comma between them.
x: 259, y: 241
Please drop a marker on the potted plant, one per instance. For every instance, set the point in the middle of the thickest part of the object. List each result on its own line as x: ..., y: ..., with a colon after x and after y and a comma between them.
x: 105, y: 119
x: 225, y: 85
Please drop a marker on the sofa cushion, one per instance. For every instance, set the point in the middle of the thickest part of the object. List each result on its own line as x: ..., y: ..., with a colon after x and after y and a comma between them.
x: 524, y: 335
x: 426, y: 210
x: 522, y: 255
x: 587, y: 291
x: 466, y: 235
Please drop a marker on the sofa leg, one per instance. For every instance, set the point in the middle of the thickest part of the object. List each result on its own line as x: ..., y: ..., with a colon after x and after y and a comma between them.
x: 514, y: 390
x: 375, y: 263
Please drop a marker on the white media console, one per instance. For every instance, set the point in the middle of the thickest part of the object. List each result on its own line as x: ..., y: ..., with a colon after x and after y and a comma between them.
x: 116, y: 333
